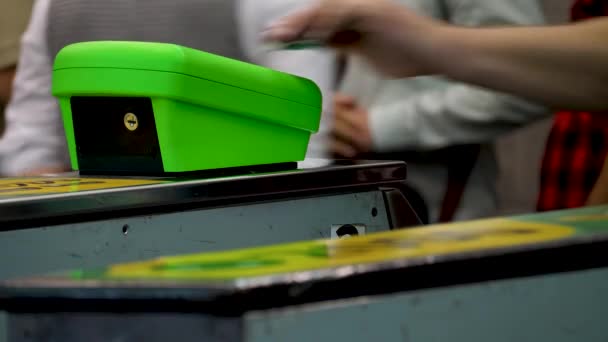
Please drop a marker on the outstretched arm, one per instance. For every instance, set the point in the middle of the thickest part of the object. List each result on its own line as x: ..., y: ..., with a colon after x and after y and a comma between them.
x: 560, y: 66
x: 565, y: 66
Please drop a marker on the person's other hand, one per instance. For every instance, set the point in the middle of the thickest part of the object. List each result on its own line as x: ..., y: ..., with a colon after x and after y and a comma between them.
x: 394, y: 39
x: 351, y: 134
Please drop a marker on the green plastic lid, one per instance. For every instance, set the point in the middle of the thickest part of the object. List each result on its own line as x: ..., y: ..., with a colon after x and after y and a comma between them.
x: 182, y: 60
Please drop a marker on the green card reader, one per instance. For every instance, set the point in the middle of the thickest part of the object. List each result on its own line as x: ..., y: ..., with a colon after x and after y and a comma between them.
x: 155, y: 109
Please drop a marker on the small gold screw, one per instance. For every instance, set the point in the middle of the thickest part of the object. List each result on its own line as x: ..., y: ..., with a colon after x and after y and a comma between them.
x: 131, y: 121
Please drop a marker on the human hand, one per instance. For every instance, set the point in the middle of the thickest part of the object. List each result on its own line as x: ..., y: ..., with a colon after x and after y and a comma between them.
x: 351, y: 134
x: 392, y: 38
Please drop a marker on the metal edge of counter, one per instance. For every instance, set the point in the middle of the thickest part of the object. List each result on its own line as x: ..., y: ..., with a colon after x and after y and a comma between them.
x: 48, y: 210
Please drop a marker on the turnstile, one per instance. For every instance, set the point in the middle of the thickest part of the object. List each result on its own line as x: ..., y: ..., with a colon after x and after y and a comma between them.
x: 530, y: 278
x: 69, y: 221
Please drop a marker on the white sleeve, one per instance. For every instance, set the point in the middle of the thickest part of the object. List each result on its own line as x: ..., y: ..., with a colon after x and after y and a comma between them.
x: 316, y: 65
x: 437, y: 117
x: 34, y: 136
x: 442, y: 112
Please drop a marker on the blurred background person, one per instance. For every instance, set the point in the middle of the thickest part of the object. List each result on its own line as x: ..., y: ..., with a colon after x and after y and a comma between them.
x: 34, y: 142
x: 13, y: 20
x: 443, y: 129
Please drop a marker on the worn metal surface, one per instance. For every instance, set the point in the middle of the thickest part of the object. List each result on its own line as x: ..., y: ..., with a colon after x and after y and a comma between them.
x: 314, y: 271
x: 94, y: 244
x: 498, y: 279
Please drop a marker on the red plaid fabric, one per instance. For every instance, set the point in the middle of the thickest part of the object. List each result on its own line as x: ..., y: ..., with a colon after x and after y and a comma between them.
x: 585, y: 9
x: 577, y: 146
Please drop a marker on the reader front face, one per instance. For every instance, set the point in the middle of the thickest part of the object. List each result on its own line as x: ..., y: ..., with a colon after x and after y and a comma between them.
x: 115, y: 134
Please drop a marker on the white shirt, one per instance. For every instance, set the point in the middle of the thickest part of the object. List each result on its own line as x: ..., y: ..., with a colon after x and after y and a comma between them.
x: 34, y: 137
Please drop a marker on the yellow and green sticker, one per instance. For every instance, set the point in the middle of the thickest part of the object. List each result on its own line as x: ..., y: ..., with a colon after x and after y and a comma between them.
x: 405, y: 245
x: 15, y: 187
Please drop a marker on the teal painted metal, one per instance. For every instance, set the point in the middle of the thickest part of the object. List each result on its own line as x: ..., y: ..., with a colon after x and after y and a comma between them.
x: 569, y: 307
x: 99, y: 243
x: 94, y: 244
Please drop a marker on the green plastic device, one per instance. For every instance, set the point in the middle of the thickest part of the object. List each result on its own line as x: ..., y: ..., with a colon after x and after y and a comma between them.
x: 155, y: 108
